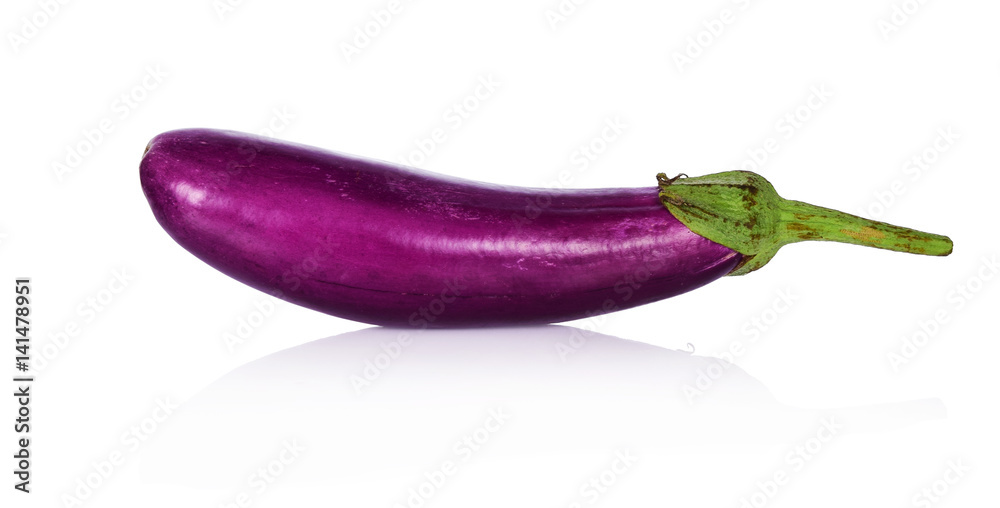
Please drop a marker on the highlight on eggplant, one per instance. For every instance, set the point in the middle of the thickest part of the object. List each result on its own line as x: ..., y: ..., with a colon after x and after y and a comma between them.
x: 385, y: 244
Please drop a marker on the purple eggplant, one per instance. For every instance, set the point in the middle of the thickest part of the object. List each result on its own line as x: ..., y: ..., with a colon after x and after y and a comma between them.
x: 376, y: 242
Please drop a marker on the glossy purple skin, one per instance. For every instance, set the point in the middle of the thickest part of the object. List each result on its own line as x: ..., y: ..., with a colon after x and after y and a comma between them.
x: 384, y: 244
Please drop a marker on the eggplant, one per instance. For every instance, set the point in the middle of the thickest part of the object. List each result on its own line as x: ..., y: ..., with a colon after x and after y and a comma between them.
x: 384, y: 244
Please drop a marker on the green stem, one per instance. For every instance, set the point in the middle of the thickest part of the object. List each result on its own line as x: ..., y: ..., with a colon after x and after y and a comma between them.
x: 802, y: 221
x: 741, y: 210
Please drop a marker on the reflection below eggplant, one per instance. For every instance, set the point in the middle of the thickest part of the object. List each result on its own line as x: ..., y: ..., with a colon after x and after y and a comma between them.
x: 387, y: 402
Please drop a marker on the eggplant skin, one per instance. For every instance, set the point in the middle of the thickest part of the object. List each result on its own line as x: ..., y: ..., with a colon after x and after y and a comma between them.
x: 384, y: 244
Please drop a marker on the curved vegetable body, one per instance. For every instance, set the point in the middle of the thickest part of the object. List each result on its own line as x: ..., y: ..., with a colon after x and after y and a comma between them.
x: 384, y: 244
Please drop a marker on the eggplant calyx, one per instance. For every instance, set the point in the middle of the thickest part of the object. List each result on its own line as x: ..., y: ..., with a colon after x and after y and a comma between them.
x: 742, y: 211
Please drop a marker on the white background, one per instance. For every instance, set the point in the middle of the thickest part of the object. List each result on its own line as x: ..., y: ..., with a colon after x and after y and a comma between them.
x: 136, y: 70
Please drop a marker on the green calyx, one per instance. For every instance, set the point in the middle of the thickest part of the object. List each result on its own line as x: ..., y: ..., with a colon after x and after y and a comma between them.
x: 741, y: 210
